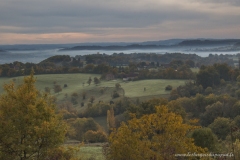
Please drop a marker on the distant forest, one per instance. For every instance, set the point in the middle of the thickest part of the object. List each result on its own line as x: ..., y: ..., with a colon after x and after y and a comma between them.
x: 146, y: 65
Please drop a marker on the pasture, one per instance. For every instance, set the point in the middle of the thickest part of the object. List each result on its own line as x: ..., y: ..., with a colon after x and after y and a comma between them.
x: 78, y: 83
x: 91, y: 153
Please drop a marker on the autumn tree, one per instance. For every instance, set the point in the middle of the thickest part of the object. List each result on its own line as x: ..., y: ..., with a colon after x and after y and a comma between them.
x: 159, y: 136
x: 110, y: 119
x: 29, y: 126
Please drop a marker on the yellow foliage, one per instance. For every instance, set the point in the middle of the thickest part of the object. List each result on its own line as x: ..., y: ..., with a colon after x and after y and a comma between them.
x: 157, y: 136
x: 29, y: 125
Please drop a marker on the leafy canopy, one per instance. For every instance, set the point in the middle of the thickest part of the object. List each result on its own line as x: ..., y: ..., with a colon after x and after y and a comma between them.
x: 160, y: 136
x: 29, y: 126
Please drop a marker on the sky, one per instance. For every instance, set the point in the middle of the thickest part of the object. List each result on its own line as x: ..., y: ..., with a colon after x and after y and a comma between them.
x: 78, y: 21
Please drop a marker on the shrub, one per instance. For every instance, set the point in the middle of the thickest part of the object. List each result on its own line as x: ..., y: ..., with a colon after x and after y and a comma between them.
x: 208, y: 90
x: 115, y: 94
x: 222, y: 82
x: 95, y: 136
x: 117, y: 85
x: 79, y: 126
x: 168, y: 88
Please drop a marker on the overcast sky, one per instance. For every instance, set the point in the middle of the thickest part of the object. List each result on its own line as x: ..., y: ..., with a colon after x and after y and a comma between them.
x: 76, y: 21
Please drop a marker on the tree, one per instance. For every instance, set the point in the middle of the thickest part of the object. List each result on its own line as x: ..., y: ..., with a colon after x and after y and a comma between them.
x: 168, y: 88
x: 156, y: 136
x: 96, y: 80
x: 89, y: 81
x: 110, y: 119
x: 74, y: 98
x: 92, y: 98
x: 204, y: 137
x: 117, y: 85
x: 208, y: 77
x: 208, y: 90
x: 115, y: 94
x: 29, y: 126
x: 221, y: 127
x: 212, y: 112
x: 57, y: 88
x: 84, y: 94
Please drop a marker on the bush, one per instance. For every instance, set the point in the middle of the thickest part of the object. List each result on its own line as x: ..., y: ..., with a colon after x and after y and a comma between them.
x: 79, y: 126
x: 168, y: 88
x: 208, y: 90
x: 222, y: 82
x: 95, y: 136
x: 115, y: 94
x: 99, y: 109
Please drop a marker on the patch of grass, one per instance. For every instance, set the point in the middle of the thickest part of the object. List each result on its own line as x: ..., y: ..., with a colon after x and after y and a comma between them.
x: 153, y: 87
x: 91, y: 153
x: 195, y: 70
x: 75, y: 84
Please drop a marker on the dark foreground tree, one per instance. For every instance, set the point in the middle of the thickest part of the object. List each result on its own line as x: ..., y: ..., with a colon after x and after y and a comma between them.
x: 29, y: 126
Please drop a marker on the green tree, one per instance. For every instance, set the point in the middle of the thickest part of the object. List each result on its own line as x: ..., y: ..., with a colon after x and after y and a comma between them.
x: 204, y: 137
x: 212, y: 111
x: 208, y: 77
x: 84, y: 94
x: 221, y: 127
x: 168, y: 88
x: 117, y: 85
x: 89, y: 81
x: 29, y: 126
x: 96, y: 80
x: 208, y: 90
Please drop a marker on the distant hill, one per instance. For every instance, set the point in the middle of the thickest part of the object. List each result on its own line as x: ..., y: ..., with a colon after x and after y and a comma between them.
x: 114, y: 47
x: 122, y: 45
x: 237, y: 44
x: 208, y: 42
x: 169, y: 42
x: 2, y: 50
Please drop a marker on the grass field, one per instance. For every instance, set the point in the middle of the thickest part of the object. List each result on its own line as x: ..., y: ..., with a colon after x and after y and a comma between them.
x: 91, y: 153
x: 75, y: 84
x: 153, y: 87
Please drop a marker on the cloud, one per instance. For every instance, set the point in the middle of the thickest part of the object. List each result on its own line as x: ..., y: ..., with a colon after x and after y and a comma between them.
x: 114, y: 17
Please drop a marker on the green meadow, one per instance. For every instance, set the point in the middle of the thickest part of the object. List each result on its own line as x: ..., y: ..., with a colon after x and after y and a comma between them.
x: 78, y: 83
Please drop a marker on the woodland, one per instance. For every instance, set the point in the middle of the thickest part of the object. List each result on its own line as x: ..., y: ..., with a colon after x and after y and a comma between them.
x: 49, y: 120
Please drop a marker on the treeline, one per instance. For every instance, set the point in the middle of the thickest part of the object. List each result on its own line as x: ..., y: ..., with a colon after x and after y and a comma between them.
x: 115, y: 64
